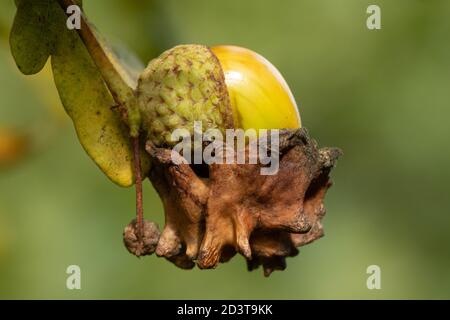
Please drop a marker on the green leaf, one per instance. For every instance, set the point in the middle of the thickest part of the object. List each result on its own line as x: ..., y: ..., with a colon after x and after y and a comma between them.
x: 82, y: 90
x: 31, y: 39
x: 88, y: 102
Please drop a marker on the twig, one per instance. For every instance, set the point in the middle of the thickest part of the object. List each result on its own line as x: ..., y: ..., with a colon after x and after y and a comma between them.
x: 138, y: 183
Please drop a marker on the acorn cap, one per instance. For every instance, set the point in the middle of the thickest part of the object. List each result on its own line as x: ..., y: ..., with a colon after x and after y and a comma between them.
x: 183, y: 85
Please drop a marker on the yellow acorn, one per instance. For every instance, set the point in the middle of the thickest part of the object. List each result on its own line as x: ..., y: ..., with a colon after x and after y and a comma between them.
x: 259, y: 95
x: 222, y: 87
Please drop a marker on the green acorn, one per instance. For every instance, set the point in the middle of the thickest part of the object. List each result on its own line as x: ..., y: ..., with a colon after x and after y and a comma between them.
x: 183, y: 85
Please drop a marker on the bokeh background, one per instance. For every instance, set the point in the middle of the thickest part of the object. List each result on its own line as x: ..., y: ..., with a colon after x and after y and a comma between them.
x: 382, y: 96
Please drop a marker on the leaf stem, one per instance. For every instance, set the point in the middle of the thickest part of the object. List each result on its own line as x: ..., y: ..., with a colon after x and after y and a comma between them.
x: 138, y: 183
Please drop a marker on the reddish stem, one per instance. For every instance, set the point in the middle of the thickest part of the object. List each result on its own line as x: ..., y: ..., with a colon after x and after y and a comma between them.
x: 138, y: 183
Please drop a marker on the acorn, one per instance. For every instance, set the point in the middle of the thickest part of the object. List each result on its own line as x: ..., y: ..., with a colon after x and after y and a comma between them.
x: 259, y: 95
x: 223, y: 87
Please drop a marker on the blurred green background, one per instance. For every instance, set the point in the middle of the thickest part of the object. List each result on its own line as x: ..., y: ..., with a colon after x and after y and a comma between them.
x: 382, y: 96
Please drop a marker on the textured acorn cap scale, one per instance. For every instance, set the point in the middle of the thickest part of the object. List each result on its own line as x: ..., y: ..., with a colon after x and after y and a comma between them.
x: 183, y: 85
